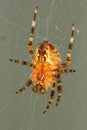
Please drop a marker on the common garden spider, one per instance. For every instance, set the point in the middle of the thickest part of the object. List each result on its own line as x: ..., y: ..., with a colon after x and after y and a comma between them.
x: 46, y: 66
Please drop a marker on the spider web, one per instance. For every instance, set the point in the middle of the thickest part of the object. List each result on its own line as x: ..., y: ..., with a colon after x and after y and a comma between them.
x: 54, y: 20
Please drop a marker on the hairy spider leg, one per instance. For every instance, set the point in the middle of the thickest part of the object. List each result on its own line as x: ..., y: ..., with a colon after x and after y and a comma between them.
x: 30, y: 42
x: 59, y: 89
x: 51, y: 98
x: 68, y: 58
x: 66, y: 71
x: 35, y: 89
x: 60, y: 71
x: 29, y: 82
x: 21, y: 62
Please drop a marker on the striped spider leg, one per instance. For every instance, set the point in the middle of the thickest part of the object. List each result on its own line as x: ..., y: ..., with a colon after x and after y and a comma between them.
x: 68, y: 58
x: 32, y: 33
x: 51, y: 98
x: 29, y: 82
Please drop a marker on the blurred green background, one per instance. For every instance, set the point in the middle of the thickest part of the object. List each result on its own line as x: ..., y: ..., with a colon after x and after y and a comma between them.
x: 54, y: 20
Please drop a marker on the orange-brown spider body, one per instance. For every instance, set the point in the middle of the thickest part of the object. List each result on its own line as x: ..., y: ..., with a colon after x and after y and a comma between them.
x: 46, y: 59
x: 46, y: 66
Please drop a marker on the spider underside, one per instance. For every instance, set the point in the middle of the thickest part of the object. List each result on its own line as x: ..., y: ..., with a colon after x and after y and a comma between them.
x: 46, y: 66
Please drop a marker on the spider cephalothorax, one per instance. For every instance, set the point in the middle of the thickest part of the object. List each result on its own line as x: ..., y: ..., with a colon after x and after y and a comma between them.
x: 46, y: 66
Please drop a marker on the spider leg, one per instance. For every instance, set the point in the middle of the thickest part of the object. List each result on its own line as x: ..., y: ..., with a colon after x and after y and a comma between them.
x: 35, y: 89
x: 59, y: 71
x: 21, y: 62
x: 59, y: 88
x: 68, y: 58
x: 51, y: 98
x: 32, y: 32
x: 66, y: 71
x: 29, y: 82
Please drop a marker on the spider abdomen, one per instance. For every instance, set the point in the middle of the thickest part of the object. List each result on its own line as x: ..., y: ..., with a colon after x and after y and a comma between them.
x: 42, y: 74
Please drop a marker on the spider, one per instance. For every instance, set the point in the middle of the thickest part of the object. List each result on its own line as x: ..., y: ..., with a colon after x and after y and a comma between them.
x: 46, y: 66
